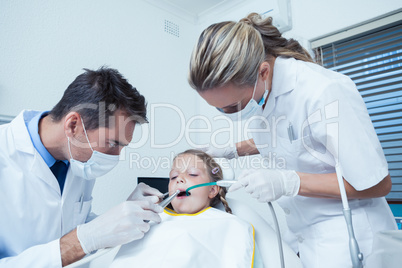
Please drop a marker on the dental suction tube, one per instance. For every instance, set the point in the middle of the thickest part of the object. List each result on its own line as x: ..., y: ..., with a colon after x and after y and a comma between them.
x: 222, y: 183
x: 278, y: 235
x: 355, y: 254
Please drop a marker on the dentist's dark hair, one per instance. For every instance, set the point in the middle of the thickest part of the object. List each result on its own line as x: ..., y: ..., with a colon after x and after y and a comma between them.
x: 96, y: 95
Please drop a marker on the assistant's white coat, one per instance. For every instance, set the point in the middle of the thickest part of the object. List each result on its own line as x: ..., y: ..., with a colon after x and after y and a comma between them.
x: 329, y: 120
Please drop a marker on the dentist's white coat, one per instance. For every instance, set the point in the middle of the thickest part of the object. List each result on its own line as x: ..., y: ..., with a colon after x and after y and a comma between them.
x: 33, y: 214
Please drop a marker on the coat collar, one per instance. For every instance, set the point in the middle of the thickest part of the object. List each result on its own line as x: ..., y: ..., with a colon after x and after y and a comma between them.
x: 20, y: 133
x: 283, y: 81
x: 284, y: 78
x: 23, y: 143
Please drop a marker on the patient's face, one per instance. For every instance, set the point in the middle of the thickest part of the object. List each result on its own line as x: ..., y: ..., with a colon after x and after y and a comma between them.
x: 189, y: 170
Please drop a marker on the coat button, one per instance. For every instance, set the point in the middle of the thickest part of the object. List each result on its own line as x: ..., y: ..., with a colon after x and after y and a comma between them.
x: 300, y: 239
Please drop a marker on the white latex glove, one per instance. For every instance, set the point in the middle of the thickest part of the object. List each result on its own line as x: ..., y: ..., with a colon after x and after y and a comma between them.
x: 145, y: 192
x: 227, y: 152
x: 268, y: 185
x: 120, y: 225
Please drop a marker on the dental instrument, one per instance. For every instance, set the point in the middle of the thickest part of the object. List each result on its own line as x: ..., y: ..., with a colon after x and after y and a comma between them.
x: 355, y: 253
x: 164, y: 195
x: 167, y: 201
x: 222, y: 183
x: 278, y: 235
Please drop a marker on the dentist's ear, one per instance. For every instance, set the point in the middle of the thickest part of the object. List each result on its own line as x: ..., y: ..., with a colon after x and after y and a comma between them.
x: 72, y: 124
x: 213, y: 191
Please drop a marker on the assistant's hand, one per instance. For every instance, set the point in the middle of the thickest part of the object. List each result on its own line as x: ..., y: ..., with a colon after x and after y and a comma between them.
x: 267, y: 185
x: 227, y: 152
x: 145, y: 192
x: 120, y: 225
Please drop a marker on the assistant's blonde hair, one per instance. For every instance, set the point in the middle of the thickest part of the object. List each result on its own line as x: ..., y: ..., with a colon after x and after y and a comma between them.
x: 230, y: 52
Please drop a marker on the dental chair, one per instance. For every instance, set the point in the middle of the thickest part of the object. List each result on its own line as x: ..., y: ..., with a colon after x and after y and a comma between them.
x: 265, y: 238
x: 265, y: 235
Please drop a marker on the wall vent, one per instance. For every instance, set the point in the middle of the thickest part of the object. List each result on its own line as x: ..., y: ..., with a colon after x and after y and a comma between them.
x: 172, y: 28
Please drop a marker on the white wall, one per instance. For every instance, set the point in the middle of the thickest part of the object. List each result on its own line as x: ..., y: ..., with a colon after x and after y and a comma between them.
x: 45, y: 44
x: 314, y: 18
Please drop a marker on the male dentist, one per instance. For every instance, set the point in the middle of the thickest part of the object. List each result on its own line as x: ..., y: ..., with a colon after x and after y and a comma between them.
x: 48, y: 165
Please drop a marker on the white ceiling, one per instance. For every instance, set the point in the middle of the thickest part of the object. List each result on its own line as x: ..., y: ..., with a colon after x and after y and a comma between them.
x: 192, y: 10
x: 195, y: 7
x: 198, y: 11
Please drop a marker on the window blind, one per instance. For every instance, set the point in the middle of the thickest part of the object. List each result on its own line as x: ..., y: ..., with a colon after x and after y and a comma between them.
x: 373, y: 60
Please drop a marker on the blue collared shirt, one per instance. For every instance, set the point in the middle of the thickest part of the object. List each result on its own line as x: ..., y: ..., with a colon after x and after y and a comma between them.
x: 33, y: 130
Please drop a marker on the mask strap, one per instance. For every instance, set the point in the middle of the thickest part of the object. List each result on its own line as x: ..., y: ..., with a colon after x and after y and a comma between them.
x: 264, y: 96
x: 69, y: 147
x: 255, y: 86
x: 83, y: 126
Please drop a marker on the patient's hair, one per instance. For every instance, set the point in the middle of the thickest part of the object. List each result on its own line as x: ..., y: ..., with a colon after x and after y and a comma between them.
x: 215, y: 174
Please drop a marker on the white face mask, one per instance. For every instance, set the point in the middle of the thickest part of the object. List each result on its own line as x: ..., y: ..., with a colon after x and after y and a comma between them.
x: 98, y: 165
x: 252, y: 107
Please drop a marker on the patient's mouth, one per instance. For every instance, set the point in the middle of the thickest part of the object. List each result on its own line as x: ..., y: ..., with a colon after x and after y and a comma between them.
x: 183, y: 194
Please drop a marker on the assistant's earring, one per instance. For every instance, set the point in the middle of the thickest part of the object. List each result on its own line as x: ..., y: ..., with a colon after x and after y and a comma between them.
x: 215, y: 170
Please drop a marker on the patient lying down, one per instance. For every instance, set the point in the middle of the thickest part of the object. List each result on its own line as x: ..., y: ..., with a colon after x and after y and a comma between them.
x: 192, y: 233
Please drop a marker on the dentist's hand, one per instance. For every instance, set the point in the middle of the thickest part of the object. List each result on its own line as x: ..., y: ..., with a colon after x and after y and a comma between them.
x: 268, y: 185
x: 120, y: 225
x: 145, y: 192
x: 227, y: 152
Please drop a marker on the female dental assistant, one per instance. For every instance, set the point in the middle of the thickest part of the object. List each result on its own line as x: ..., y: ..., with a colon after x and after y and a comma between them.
x: 306, y: 117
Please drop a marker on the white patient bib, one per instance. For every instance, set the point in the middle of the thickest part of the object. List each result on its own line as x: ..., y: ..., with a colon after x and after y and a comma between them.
x: 210, y: 238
